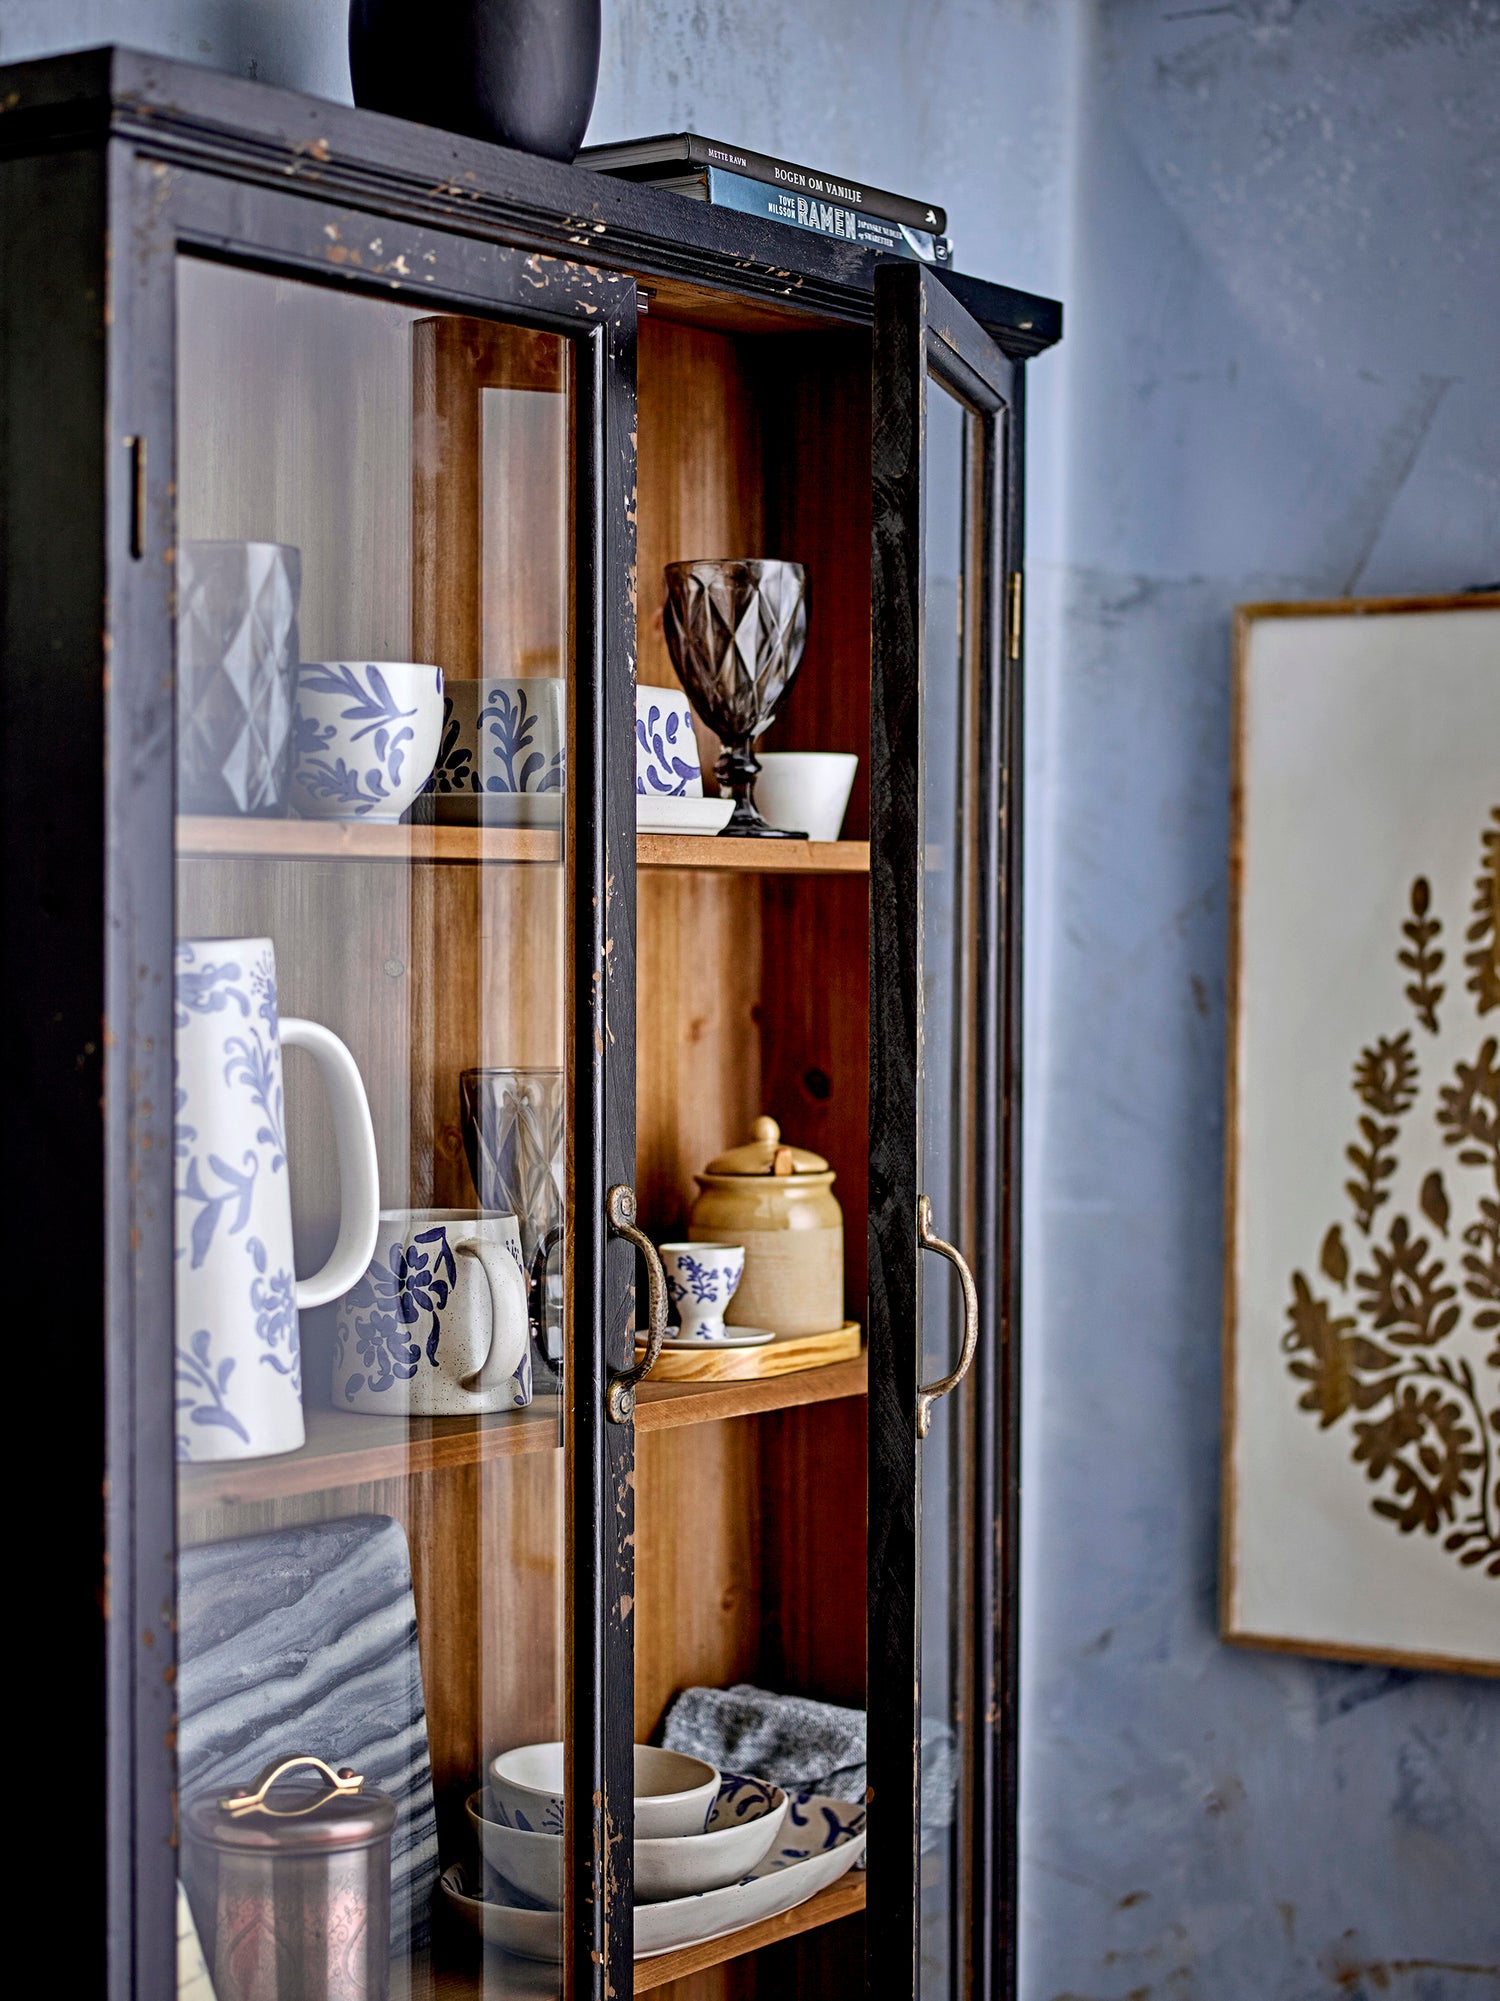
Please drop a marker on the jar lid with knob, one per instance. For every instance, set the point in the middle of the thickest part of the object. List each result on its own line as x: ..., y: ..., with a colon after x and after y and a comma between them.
x: 766, y: 1153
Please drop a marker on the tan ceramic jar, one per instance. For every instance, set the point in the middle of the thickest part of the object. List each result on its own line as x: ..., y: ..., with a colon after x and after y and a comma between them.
x: 778, y: 1202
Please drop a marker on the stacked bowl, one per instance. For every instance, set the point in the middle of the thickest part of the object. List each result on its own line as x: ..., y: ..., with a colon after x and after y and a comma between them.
x: 713, y: 1850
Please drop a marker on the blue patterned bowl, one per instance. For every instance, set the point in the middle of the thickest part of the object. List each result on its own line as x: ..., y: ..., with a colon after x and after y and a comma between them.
x: 365, y: 737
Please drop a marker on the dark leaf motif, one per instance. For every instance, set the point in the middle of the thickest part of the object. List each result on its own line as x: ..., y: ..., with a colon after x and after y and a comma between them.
x: 1469, y: 1110
x: 1373, y: 1164
x: 1426, y: 1449
x: 1481, y: 1266
x: 1333, y: 1258
x: 1483, y: 933
x: 1404, y: 1297
x: 1423, y: 958
x: 1329, y: 1355
x: 1386, y: 1076
x: 1434, y: 1200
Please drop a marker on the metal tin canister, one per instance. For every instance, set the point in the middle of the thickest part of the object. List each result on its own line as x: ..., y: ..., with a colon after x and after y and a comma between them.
x: 294, y: 1888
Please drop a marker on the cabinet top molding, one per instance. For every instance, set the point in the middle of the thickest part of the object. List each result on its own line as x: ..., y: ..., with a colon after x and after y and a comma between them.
x: 191, y: 117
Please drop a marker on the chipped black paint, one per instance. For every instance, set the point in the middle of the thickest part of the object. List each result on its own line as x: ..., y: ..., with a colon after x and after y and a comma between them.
x: 192, y: 117
x: 921, y: 331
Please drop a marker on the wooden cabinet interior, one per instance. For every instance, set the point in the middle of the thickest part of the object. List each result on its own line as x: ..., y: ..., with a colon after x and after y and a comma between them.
x: 752, y: 996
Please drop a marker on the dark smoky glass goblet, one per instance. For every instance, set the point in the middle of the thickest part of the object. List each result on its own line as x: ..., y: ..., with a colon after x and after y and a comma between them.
x: 735, y: 630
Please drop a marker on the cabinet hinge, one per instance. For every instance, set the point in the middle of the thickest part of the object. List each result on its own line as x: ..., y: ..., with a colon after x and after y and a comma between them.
x: 1013, y: 616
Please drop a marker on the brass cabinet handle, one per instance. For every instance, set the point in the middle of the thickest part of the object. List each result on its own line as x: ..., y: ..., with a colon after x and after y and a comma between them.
x: 622, y: 1222
x: 931, y: 1241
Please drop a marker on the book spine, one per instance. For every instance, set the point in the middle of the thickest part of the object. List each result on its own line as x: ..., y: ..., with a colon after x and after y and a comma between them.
x: 822, y: 187
x: 824, y: 218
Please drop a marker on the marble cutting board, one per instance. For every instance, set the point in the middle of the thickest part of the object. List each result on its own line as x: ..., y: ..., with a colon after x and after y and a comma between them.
x: 305, y: 1639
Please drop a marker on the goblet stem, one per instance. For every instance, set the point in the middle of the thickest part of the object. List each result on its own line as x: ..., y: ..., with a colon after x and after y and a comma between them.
x: 737, y: 769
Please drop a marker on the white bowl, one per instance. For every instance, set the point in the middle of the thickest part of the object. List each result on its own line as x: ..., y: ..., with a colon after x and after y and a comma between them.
x: 674, y: 1794
x: 364, y: 737
x: 806, y: 790
x: 746, y: 1819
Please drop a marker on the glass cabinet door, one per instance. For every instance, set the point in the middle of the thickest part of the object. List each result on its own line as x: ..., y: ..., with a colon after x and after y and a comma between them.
x: 403, y: 1046
x: 943, y: 868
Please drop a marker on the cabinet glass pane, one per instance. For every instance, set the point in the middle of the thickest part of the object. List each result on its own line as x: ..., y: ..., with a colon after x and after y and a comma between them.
x: 946, y: 1103
x: 374, y: 641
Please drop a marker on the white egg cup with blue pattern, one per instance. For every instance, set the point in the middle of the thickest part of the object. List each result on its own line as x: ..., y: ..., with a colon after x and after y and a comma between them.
x: 701, y: 1281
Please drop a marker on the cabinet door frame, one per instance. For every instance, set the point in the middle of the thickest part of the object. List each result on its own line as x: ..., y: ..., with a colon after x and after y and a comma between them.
x: 922, y: 332
x: 156, y: 210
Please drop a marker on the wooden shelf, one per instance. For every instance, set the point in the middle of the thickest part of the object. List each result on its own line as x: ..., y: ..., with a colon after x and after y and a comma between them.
x: 840, y: 1900
x: 347, y: 1450
x: 452, y: 1973
x: 712, y: 851
x: 347, y: 840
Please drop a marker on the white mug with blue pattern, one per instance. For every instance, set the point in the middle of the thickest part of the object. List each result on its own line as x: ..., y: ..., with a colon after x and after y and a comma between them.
x: 238, y: 1376
x: 503, y: 760
x: 438, y: 1325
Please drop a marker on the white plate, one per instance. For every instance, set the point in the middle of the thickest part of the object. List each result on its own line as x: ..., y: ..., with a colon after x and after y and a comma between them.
x: 743, y: 1337
x: 820, y: 1840
x: 658, y: 813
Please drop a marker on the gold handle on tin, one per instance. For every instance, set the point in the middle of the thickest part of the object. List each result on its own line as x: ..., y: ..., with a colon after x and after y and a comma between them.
x: 928, y: 1395
x: 340, y: 1783
x: 622, y: 1222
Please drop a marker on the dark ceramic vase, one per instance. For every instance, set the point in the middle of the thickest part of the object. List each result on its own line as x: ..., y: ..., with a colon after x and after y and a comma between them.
x: 521, y: 72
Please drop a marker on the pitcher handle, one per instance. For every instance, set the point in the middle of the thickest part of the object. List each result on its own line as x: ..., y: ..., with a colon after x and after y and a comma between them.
x: 359, y: 1170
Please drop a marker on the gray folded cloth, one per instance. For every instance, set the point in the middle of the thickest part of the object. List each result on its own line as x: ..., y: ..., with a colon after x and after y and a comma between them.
x: 801, y: 1745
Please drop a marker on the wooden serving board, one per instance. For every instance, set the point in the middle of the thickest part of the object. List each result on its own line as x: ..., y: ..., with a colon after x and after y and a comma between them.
x: 781, y: 1357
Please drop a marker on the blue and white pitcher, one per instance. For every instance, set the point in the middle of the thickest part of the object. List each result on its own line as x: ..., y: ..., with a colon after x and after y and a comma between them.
x: 239, y: 1353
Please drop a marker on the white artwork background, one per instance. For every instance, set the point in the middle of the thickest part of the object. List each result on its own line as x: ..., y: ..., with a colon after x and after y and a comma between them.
x: 1370, y: 756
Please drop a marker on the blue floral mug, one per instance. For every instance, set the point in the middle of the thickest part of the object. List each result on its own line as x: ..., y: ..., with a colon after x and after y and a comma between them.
x: 438, y: 1325
x: 503, y: 758
x: 238, y: 1387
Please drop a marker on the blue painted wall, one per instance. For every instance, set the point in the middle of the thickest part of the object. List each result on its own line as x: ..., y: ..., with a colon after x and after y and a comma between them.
x: 1276, y: 224
x: 1282, y: 379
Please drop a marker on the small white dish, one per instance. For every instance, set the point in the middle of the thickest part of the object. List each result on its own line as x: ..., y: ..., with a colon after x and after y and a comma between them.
x: 674, y: 1794
x: 732, y: 1337
x: 820, y: 1840
x: 656, y: 815
x: 744, y: 1823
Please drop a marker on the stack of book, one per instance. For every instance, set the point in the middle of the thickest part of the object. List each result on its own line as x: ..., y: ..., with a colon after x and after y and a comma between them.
x: 733, y: 177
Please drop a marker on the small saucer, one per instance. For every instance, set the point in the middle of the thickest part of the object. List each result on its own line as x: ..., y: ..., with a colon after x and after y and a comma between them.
x: 742, y: 1337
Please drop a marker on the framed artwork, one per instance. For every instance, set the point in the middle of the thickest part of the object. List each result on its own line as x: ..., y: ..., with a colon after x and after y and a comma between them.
x: 1361, y: 1503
